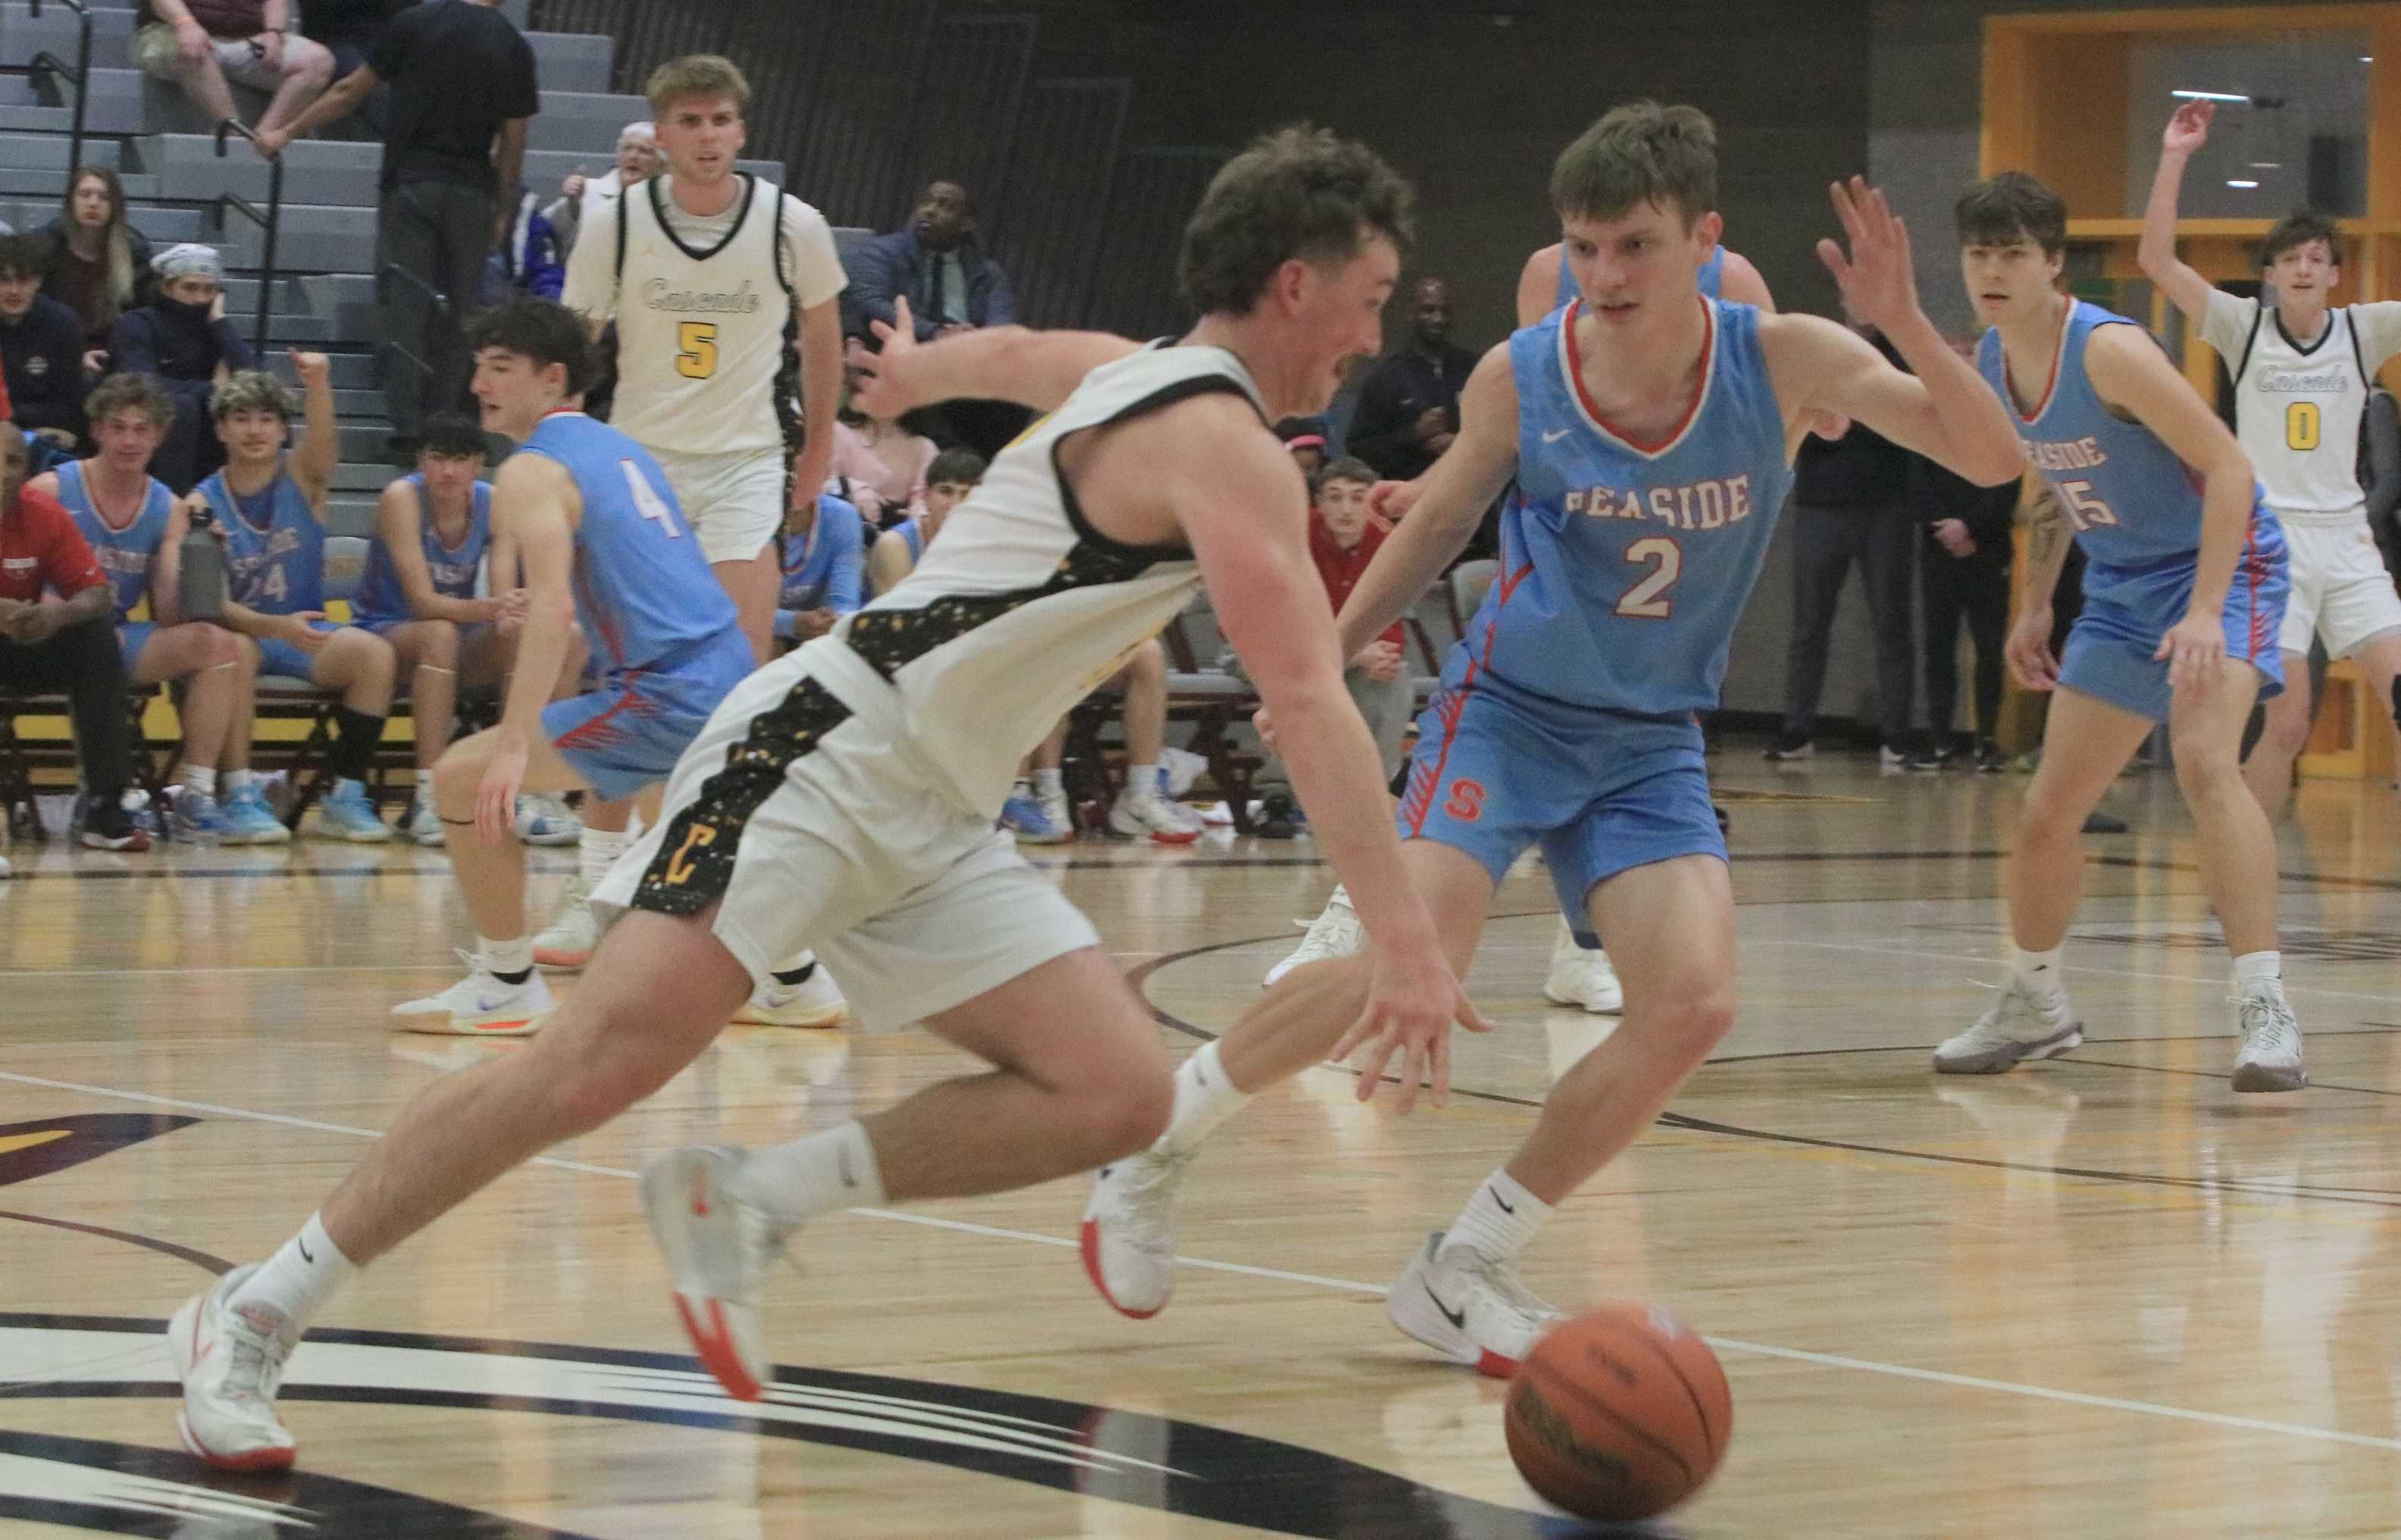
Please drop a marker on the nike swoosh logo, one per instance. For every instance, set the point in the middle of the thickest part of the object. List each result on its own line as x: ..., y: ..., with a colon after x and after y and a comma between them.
x: 1556, y: 434
x: 303, y: 1244
x: 1502, y: 1202
x: 1458, y: 1318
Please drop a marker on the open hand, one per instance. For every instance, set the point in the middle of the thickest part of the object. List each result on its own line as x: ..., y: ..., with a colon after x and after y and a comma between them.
x: 2188, y: 128
x: 2028, y: 650
x: 2194, y: 649
x: 885, y: 378
x: 1878, y: 281
x: 495, y: 797
x: 1413, y: 1000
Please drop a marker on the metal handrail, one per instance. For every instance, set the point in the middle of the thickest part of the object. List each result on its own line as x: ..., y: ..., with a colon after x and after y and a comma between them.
x: 268, y: 219
x: 80, y: 73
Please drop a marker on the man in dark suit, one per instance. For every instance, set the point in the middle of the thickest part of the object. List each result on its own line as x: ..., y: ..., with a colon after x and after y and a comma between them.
x: 952, y: 284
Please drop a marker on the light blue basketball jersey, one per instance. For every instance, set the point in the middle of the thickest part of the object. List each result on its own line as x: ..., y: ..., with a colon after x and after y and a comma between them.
x: 913, y: 535
x: 1712, y: 276
x: 1624, y: 568
x: 824, y: 568
x: 452, y: 568
x: 643, y: 587
x: 275, y: 566
x: 2133, y: 504
x: 124, y: 554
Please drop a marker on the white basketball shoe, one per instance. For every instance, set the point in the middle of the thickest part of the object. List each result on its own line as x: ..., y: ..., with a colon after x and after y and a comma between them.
x: 479, y: 1006
x: 567, y: 941
x: 2018, y: 1027
x: 1583, y: 978
x: 719, y: 1251
x: 1470, y: 1308
x: 2270, y: 1058
x: 231, y: 1361
x: 1334, y: 933
x: 814, y: 1001
x: 1129, y: 1231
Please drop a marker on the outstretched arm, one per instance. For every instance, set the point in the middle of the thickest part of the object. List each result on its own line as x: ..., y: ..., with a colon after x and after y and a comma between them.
x: 1036, y: 369
x: 2187, y: 131
x: 1459, y: 487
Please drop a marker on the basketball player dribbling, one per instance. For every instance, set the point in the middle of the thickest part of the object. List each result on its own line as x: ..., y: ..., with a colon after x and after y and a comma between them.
x: 1651, y: 433
x: 1580, y: 975
x: 713, y: 277
x: 2302, y: 369
x: 2184, y: 592
x: 845, y: 796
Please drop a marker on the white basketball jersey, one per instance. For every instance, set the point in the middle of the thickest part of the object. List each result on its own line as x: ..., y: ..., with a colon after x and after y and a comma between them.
x: 1020, y: 608
x: 703, y: 337
x: 2298, y: 411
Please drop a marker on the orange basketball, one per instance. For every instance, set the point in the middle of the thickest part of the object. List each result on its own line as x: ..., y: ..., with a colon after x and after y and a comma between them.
x: 1619, y: 1414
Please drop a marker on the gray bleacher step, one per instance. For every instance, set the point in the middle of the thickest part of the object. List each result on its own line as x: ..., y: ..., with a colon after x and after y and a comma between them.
x: 43, y: 185
x: 573, y: 61
x: 357, y: 404
x: 162, y: 226
x: 44, y: 152
x: 337, y: 173
x: 361, y: 475
x: 354, y: 369
x: 353, y: 513
x: 582, y: 121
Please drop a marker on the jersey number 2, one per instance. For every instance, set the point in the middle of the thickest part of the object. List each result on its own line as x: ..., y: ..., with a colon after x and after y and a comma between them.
x: 698, y: 340
x: 2301, y: 424
x: 648, y: 502
x: 1648, y: 599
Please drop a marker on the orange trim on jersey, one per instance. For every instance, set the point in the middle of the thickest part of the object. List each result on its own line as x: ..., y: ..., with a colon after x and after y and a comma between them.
x: 1449, y: 707
x: 592, y: 734
x: 2050, y: 388
x: 1572, y: 363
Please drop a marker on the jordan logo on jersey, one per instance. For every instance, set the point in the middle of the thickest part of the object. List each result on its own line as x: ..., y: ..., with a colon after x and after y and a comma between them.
x: 1694, y: 505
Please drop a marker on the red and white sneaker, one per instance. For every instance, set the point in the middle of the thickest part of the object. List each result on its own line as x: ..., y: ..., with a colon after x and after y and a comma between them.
x: 1137, y: 813
x: 1470, y: 1308
x: 231, y: 1362
x: 1129, y: 1233
x: 718, y: 1250
x: 567, y: 941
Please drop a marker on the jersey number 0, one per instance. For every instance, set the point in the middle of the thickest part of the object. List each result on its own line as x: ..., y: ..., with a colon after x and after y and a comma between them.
x: 2302, y: 422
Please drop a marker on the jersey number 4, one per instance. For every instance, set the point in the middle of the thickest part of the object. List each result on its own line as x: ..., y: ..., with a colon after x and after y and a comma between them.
x: 698, y: 340
x: 648, y: 502
x: 1648, y: 599
x: 2084, y: 510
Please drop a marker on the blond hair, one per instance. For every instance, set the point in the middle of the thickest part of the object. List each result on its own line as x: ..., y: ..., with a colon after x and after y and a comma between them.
x: 251, y: 390
x: 697, y: 75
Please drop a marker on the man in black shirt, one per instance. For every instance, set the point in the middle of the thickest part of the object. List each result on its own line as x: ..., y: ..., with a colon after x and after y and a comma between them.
x: 41, y: 346
x: 1408, y: 409
x: 1849, y: 505
x: 462, y: 88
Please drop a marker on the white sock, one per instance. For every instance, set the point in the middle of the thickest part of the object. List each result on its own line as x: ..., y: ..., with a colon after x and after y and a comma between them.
x: 510, y: 957
x: 1021, y: 787
x: 300, y: 1277
x: 1340, y: 895
x: 1141, y: 781
x: 1204, y: 1098
x: 237, y: 781
x: 2259, y: 972
x: 1049, y: 783
x: 194, y: 778
x: 1500, y: 1219
x: 798, y: 1182
x: 599, y: 850
x: 2039, y: 971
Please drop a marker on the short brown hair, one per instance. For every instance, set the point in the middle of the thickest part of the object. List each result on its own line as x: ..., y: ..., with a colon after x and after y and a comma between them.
x: 1349, y: 468
x: 1639, y: 153
x: 2299, y: 229
x: 697, y: 75
x: 2013, y: 207
x: 131, y: 392
x: 250, y: 391
x: 1297, y: 192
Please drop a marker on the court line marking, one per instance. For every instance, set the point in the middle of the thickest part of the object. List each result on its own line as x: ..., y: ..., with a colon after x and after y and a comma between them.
x: 297, y: 968
x: 1800, y: 1355
x: 1988, y: 960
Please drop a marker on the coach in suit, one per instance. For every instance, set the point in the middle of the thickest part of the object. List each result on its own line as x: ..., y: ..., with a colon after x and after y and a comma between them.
x: 952, y: 284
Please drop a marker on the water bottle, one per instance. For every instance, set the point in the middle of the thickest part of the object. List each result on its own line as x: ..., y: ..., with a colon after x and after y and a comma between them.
x: 200, y: 583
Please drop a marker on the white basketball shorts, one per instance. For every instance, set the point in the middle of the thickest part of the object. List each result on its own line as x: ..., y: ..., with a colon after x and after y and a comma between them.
x: 735, y: 503
x: 2340, y: 590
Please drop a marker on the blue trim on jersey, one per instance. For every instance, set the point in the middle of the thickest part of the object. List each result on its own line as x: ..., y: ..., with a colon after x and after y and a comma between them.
x: 127, y: 555
x: 279, y: 568
x: 381, y: 603
x: 1712, y: 276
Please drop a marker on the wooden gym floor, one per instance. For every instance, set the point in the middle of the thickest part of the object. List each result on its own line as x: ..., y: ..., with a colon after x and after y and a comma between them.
x: 2101, y: 1298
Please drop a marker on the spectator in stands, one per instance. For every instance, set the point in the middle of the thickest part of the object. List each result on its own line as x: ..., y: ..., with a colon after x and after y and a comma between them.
x: 70, y: 646
x: 41, y: 348
x: 950, y: 477
x: 639, y: 159
x: 880, y: 466
x: 135, y: 527
x: 432, y: 530
x: 271, y: 507
x: 349, y: 30
x: 98, y: 264
x: 200, y: 45
x: 952, y: 284
x: 464, y: 89
x: 1408, y: 409
x: 1962, y: 574
x: 530, y: 262
x: 825, y: 569
x: 1342, y: 540
x: 1306, y: 441
x: 184, y: 339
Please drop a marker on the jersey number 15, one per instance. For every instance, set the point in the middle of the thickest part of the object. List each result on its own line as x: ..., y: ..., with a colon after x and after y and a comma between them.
x: 2084, y: 510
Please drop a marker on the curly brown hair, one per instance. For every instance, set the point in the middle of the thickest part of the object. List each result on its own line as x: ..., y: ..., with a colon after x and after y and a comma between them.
x: 1299, y: 192
x: 131, y: 392
x: 2299, y: 229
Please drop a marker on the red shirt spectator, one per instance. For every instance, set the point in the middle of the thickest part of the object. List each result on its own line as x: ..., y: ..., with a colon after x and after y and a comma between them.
x: 1339, y: 567
x: 41, y: 547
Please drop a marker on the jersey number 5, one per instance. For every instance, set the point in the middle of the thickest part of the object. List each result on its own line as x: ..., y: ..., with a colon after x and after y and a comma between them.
x: 698, y: 340
x: 2084, y: 510
x: 1648, y: 599
x: 2301, y: 424
x: 648, y: 502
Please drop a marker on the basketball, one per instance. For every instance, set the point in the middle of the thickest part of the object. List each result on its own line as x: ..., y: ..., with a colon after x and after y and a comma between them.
x: 1619, y: 1414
